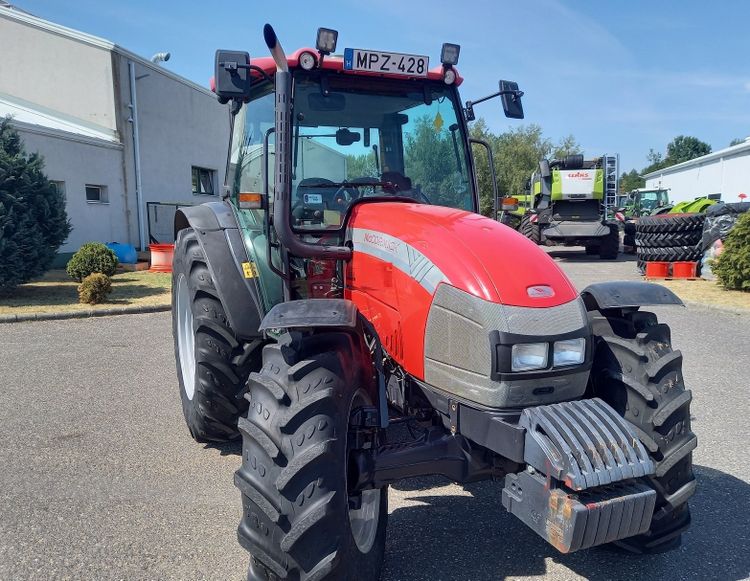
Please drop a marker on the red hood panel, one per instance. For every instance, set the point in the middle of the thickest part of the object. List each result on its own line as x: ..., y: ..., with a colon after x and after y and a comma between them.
x: 476, y: 254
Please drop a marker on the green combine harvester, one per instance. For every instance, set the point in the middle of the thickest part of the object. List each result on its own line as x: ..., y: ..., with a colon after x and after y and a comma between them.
x: 572, y: 202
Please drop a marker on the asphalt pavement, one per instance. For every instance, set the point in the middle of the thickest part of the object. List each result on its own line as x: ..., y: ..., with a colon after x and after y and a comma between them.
x: 99, y: 478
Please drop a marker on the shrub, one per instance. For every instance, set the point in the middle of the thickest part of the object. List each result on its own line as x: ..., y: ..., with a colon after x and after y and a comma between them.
x: 33, y: 222
x: 732, y: 267
x: 94, y: 288
x: 92, y: 257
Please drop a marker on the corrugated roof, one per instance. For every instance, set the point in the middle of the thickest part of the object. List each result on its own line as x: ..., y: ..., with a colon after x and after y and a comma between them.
x: 726, y: 152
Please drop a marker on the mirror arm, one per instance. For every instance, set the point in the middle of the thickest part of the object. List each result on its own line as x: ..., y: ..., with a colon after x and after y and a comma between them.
x: 469, y: 107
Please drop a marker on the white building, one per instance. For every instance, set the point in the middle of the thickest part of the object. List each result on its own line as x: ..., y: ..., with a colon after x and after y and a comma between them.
x: 117, y: 132
x: 725, y: 172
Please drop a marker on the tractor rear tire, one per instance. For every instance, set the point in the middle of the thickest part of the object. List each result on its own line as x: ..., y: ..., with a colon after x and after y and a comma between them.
x: 298, y: 521
x: 636, y: 372
x: 531, y: 230
x: 669, y: 239
x: 670, y: 223
x: 672, y: 254
x: 212, y: 362
x: 609, y: 247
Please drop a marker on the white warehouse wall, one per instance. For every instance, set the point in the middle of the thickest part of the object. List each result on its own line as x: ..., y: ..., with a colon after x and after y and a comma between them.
x: 78, y: 162
x: 180, y: 125
x: 71, y: 77
x: 728, y: 174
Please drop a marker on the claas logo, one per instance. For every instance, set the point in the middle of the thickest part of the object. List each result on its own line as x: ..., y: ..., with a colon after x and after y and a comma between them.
x: 580, y: 175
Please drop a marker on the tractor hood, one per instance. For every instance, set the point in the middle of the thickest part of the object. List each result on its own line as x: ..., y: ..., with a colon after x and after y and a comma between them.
x: 435, y: 244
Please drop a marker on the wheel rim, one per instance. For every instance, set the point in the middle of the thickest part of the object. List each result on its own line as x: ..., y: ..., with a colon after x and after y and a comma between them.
x: 364, y: 520
x: 185, y: 336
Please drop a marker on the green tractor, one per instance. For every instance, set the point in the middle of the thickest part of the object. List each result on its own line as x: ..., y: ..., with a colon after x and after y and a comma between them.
x: 637, y: 203
x: 644, y: 202
x: 572, y: 202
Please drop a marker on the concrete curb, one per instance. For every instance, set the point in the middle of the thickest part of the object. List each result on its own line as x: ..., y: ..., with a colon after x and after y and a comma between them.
x: 83, y: 314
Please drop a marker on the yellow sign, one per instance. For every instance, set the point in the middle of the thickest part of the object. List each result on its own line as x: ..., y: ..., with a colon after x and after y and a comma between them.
x: 438, y: 122
x: 248, y: 269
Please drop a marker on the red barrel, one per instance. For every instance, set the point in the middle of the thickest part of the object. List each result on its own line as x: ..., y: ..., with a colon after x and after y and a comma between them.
x: 161, y: 257
x: 684, y: 269
x: 657, y: 269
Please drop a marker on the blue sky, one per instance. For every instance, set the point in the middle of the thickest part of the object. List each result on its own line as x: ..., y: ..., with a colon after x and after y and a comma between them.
x: 620, y: 76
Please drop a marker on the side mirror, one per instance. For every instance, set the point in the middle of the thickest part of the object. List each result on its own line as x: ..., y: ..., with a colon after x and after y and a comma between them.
x: 544, y: 168
x: 511, y: 98
x: 232, y: 75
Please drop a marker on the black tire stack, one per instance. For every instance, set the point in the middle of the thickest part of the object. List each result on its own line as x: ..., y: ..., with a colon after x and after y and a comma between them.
x: 669, y: 238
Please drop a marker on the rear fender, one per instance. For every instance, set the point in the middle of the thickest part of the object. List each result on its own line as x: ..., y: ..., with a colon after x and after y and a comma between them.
x: 220, y: 239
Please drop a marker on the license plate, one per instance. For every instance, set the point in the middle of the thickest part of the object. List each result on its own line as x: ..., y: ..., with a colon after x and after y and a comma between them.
x: 375, y: 61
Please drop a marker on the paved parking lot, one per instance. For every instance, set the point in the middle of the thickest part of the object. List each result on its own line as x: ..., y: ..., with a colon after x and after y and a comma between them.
x: 100, y: 480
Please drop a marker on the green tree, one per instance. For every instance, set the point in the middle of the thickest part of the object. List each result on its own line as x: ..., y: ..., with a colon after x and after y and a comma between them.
x: 567, y: 146
x: 359, y: 166
x: 426, y: 155
x: 630, y: 181
x: 684, y: 148
x: 656, y: 161
x: 736, y: 141
x: 33, y: 222
x: 732, y: 267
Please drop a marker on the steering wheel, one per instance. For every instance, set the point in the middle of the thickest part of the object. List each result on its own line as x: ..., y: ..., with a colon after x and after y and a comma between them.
x: 365, y: 180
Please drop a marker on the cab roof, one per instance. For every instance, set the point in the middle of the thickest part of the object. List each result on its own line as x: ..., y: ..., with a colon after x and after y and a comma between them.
x: 336, y: 63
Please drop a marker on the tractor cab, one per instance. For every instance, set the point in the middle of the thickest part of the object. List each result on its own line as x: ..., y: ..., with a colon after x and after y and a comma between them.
x: 314, y: 135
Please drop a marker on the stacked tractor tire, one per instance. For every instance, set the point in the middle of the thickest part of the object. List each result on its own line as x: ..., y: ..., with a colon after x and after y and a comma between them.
x: 669, y: 238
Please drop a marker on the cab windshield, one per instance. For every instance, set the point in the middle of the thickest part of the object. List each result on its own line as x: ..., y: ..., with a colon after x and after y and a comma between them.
x: 355, y: 138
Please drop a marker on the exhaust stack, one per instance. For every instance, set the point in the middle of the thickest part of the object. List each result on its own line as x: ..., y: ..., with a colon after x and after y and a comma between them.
x: 273, y: 44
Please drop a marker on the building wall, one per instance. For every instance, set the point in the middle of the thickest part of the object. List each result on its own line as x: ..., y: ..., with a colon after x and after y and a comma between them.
x: 57, y: 73
x: 728, y: 176
x: 180, y: 126
x: 78, y: 162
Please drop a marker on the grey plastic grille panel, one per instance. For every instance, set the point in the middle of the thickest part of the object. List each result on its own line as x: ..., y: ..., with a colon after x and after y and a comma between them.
x: 457, y: 347
x: 583, y: 444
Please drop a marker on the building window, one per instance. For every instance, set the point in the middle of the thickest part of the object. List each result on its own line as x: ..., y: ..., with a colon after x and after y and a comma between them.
x: 203, y: 181
x: 96, y: 194
x: 59, y: 187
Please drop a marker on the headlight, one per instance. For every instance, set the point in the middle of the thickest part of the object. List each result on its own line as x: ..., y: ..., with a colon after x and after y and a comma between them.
x: 526, y: 356
x: 569, y: 352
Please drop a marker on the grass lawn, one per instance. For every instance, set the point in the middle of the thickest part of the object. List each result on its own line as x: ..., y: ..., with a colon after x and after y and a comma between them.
x: 56, y: 292
x: 708, y: 293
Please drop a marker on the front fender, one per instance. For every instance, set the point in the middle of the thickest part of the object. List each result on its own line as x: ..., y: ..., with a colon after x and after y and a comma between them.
x: 627, y: 294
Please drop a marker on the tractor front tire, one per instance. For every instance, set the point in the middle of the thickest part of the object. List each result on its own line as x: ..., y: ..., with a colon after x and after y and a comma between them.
x: 636, y: 372
x: 299, y: 522
x: 609, y: 247
x: 212, y: 362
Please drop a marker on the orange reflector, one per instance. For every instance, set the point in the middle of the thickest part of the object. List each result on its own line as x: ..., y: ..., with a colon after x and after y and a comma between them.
x: 250, y: 201
x: 509, y: 204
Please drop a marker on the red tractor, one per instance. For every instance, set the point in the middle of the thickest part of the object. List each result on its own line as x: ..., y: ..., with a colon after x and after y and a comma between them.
x: 346, y: 283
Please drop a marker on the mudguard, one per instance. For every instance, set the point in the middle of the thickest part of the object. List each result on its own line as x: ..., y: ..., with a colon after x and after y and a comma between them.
x: 331, y: 314
x: 627, y: 294
x: 220, y: 239
x: 309, y: 313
